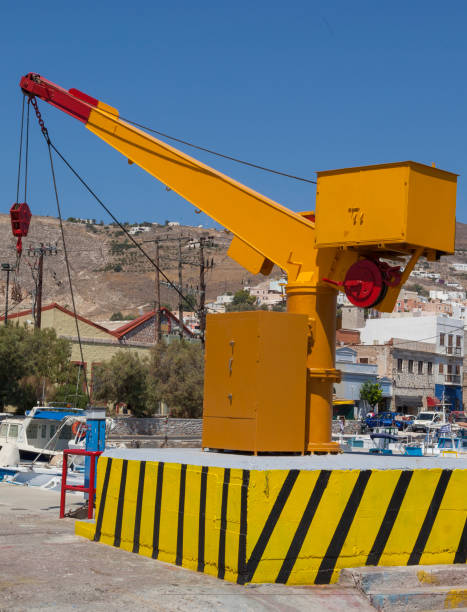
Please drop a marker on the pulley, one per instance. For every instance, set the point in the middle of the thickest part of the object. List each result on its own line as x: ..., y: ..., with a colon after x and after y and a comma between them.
x: 20, y: 215
x: 367, y: 281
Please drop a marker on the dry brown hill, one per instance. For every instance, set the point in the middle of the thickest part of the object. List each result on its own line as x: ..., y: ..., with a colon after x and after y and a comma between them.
x: 109, y: 274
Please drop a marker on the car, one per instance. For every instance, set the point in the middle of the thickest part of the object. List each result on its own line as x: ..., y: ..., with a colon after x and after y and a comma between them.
x: 426, y: 420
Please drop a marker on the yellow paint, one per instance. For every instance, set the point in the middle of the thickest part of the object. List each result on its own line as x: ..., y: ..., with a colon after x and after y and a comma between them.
x: 213, y: 519
x: 129, y: 506
x: 449, y: 523
x: 368, y: 518
x: 148, y: 509
x: 85, y: 530
x: 169, y: 515
x: 427, y: 577
x: 276, y: 549
x: 457, y: 598
x: 410, y: 518
x: 111, y: 502
x: 263, y: 491
x: 233, y: 525
x: 322, y: 528
x: 191, y: 517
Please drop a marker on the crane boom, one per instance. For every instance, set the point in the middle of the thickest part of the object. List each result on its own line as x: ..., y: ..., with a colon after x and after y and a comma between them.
x: 267, y: 230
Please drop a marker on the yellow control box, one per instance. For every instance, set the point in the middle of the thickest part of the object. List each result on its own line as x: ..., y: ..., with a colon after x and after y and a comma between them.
x: 402, y: 205
x: 255, y: 382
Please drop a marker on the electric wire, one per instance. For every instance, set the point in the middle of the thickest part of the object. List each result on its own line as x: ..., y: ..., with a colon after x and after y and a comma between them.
x: 49, y: 144
x: 211, y: 152
x: 137, y: 244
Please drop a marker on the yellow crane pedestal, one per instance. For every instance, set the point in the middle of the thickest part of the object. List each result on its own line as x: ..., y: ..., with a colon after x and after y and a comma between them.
x: 371, y: 226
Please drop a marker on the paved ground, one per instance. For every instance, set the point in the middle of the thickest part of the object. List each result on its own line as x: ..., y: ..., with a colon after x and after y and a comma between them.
x: 43, y: 565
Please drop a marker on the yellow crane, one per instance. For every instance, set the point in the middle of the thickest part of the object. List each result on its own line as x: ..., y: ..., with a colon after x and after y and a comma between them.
x: 269, y: 376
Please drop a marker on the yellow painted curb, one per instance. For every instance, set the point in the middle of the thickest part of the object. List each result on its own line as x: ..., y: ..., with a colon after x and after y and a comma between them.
x: 283, y: 526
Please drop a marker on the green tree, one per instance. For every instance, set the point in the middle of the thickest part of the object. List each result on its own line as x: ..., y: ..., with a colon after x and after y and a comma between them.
x: 31, y: 361
x: 122, y: 380
x: 242, y: 300
x: 371, y: 393
x: 116, y: 316
x: 176, y: 378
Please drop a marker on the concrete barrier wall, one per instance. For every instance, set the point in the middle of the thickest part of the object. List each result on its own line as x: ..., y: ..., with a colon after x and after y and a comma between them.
x: 284, y: 526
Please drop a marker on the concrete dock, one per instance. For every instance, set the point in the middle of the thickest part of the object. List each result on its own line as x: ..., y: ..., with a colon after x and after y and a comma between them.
x: 43, y: 565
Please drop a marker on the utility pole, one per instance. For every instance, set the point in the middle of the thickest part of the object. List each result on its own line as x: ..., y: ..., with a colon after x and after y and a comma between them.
x: 180, y: 285
x: 7, y: 268
x: 39, y: 289
x: 202, y: 291
x: 157, y: 307
x: 39, y: 252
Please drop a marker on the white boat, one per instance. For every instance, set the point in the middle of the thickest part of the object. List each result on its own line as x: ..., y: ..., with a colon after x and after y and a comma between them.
x: 42, y: 433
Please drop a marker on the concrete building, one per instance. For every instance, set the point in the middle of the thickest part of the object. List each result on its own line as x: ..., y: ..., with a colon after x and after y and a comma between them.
x: 429, y: 346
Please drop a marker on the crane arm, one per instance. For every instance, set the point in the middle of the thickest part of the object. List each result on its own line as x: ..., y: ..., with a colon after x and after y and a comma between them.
x: 265, y: 231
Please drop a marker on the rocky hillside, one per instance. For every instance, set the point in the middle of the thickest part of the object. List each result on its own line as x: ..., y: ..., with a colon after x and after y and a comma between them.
x: 109, y: 273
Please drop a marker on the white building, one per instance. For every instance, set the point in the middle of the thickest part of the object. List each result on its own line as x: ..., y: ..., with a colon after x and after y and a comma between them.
x: 446, y: 334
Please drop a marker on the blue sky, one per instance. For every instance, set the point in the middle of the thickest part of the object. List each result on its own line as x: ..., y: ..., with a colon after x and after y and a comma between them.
x: 298, y: 86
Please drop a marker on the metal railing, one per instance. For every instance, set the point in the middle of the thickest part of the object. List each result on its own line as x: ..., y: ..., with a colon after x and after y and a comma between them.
x: 91, y: 489
x: 453, y: 378
x: 453, y: 350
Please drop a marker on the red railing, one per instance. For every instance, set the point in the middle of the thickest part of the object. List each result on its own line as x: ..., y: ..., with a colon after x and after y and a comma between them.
x: 90, y: 489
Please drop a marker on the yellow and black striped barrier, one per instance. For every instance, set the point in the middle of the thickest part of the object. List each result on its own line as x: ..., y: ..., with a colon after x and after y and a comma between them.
x: 284, y: 526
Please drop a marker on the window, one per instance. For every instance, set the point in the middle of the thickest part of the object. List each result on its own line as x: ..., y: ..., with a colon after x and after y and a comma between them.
x: 32, y: 431
x: 458, y: 341
x: 363, y: 359
x: 441, y: 368
x: 399, y: 365
x: 430, y: 368
x: 420, y: 367
x: 449, y: 368
x: 441, y: 339
x: 13, y: 433
x: 44, y: 431
x: 3, y: 430
x: 450, y: 340
x: 410, y: 366
x: 458, y: 370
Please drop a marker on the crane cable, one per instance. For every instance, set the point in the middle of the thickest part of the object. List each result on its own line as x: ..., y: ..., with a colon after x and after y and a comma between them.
x: 65, y: 252
x: 211, y: 152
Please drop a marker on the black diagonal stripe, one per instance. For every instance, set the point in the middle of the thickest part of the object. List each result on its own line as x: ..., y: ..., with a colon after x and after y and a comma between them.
x: 430, y: 518
x: 121, y: 501
x: 223, y: 529
x: 139, y: 505
x: 181, y: 515
x: 389, y: 518
x: 157, y: 510
x: 461, y: 553
x: 241, y: 577
x: 337, y: 542
x: 202, y: 518
x: 271, y: 522
x: 303, y: 527
x: 103, y: 498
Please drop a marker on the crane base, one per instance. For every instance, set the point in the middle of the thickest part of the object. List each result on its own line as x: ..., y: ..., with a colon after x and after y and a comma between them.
x: 293, y: 520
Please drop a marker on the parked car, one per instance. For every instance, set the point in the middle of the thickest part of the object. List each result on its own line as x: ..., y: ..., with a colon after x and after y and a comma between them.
x: 426, y: 420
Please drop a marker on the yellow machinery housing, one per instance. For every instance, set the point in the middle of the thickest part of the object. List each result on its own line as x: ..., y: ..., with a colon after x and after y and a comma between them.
x: 394, y: 211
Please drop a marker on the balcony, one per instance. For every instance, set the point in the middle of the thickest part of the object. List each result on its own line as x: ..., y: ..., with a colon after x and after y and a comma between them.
x: 453, y: 379
x: 453, y: 350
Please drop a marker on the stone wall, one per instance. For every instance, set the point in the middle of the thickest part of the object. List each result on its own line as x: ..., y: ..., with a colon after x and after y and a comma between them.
x: 158, y: 427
